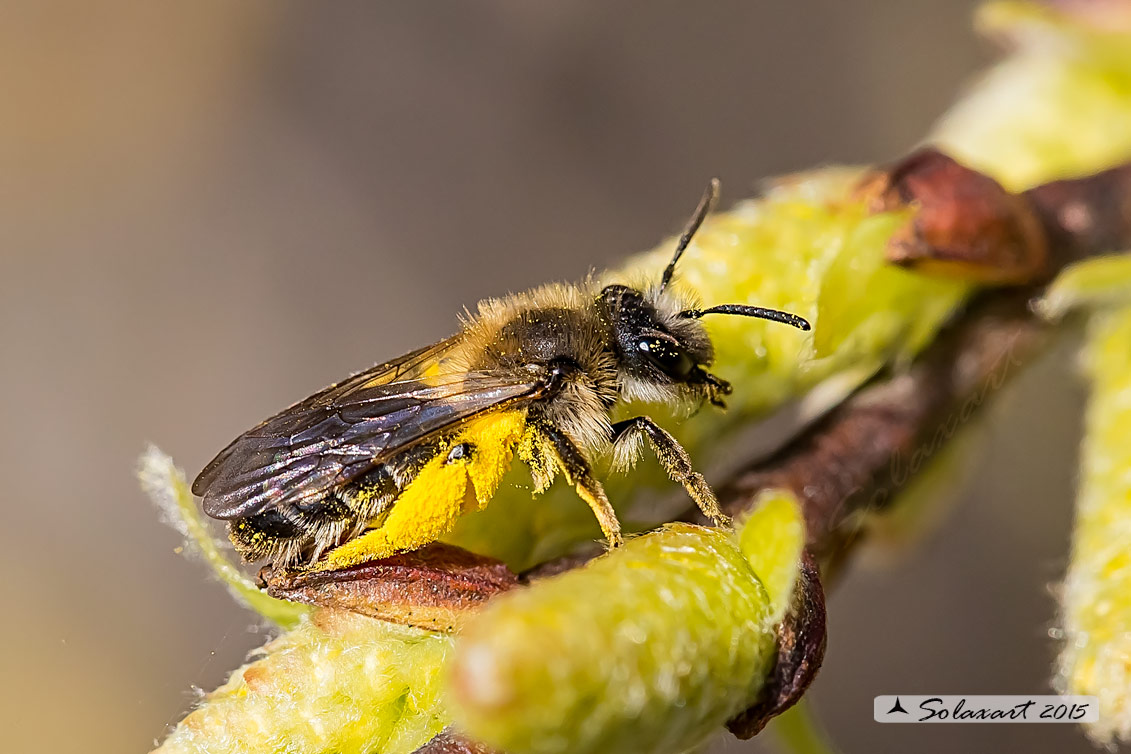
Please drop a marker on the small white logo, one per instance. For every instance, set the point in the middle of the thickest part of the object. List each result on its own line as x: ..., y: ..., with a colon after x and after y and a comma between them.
x: 927, y: 708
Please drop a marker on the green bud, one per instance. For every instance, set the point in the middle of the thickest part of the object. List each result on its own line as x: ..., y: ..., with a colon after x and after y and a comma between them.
x: 1058, y: 106
x: 1096, y: 597
x: 338, y: 682
x: 647, y: 649
x: 1094, y: 283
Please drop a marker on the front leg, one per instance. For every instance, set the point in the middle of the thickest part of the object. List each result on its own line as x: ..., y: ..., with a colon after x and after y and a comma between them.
x: 674, y: 460
x: 577, y: 471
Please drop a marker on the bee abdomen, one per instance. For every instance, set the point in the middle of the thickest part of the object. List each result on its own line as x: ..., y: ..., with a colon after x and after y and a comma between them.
x: 267, y: 535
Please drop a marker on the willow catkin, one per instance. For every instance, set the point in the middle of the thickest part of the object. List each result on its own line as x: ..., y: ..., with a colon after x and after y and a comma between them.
x: 338, y: 682
x: 648, y: 649
x: 1096, y: 596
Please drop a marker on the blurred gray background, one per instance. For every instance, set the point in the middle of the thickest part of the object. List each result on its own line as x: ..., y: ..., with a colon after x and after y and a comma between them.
x: 211, y: 209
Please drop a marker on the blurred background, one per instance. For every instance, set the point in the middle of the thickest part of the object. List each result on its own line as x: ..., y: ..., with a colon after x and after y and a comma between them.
x: 211, y: 209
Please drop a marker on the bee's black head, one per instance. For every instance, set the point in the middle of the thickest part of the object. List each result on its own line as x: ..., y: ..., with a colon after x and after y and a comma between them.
x: 659, y: 354
x: 661, y: 347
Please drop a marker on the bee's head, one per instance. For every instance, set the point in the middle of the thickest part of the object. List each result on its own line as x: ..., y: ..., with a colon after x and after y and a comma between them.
x: 661, y: 347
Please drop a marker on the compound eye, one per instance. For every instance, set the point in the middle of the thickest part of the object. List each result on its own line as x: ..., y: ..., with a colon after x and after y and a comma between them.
x: 670, y: 358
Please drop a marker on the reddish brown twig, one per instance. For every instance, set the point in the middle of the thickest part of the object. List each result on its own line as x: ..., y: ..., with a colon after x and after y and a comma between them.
x: 864, y: 451
x: 450, y: 742
x: 801, y: 649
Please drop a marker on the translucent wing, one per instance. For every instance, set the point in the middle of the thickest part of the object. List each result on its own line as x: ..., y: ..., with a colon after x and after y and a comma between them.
x: 341, y: 432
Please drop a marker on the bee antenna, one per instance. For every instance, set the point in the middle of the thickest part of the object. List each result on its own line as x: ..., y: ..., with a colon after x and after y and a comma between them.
x: 701, y: 212
x: 750, y: 311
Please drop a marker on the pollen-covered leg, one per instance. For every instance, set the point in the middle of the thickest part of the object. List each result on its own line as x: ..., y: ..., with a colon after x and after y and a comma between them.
x: 589, y: 489
x: 461, y: 478
x: 424, y: 512
x: 627, y: 436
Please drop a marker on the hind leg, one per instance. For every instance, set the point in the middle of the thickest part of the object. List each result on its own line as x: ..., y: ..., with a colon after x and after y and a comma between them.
x: 460, y: 479
x: 424, y: 512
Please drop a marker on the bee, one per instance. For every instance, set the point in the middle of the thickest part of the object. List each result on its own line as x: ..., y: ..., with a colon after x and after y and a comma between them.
x: 387, y: 460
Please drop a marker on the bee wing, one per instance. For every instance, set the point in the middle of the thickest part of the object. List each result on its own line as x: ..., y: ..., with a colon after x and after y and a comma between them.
x: 343, y: 431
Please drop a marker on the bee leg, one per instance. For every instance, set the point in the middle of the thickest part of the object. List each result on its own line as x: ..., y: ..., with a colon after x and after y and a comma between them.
x: 589, y: 489
x: 425, y: 511
x: 675, y: 461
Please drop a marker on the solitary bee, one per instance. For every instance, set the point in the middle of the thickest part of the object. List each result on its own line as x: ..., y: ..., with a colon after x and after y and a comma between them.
x: 388, y: 459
